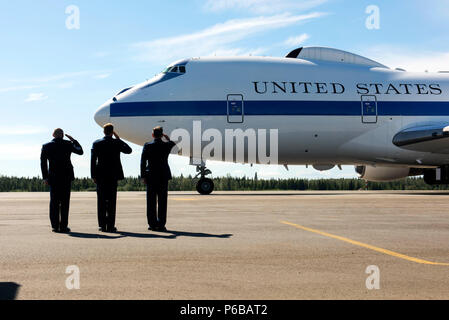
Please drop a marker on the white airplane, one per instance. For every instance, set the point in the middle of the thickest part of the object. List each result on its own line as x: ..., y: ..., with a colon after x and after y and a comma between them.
x: 330, y: 107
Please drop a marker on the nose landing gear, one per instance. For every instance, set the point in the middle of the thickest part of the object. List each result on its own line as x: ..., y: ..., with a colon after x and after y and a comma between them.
x: 204, y: 185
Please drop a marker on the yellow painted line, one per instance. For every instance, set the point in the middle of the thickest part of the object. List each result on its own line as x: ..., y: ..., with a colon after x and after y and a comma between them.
x: 364, y: 245
x: 183, y: 199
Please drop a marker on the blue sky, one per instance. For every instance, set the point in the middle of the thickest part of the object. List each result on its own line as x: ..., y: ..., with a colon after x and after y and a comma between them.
x: 55, y: 77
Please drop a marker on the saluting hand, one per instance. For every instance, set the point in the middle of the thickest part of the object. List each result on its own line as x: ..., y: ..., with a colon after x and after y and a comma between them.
x: 70, y: 137
x: 166, y: 137
x: 116, y: 135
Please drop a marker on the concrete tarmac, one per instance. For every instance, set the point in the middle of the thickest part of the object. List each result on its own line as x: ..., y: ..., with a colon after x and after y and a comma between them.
x: 232, y: 245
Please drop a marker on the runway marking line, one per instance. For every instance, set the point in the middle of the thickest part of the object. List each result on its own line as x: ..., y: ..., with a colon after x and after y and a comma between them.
x: 364, y: 245
x: 183, y: 199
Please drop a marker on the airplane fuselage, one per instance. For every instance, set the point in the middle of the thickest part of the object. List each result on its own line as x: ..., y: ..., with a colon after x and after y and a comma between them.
x: 325, y: 112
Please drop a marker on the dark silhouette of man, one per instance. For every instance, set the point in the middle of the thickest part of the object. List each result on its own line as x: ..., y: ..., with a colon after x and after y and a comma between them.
x: 106, y: 170
x: 57, y: 172
x: 155, y: 172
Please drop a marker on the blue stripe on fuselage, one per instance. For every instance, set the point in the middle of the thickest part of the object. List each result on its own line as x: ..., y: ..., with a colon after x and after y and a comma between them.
x: 259, y: 108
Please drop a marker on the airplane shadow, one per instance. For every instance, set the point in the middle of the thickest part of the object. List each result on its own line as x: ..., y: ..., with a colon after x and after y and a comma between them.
x: 169, y: 234
x: 281, y: 194
x: 329, y: 193
x: 8, y: 290
x: 439, y: 193
x: 249, y: 194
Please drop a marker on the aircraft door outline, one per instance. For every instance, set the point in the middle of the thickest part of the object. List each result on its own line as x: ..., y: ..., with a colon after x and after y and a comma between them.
x: 235, y: 108
x: 369, y: 108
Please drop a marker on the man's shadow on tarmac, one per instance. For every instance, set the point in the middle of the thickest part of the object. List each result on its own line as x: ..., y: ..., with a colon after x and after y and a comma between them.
x: 169, y: 234
x: 8, y: 290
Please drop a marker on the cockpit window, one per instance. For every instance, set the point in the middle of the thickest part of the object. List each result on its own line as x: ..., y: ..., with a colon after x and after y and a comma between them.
x: 175, y: 69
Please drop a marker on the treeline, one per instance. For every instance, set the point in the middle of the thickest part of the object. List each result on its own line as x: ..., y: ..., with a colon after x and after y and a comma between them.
x: 14, y: 184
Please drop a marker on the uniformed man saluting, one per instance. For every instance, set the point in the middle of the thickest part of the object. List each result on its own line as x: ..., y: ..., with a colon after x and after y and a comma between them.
x: 155, y: 172
x: 106, y: 170
x: 59, y: 176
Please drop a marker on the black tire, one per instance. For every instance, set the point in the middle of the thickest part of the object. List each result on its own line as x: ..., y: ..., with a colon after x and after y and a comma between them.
x: 205, y: 186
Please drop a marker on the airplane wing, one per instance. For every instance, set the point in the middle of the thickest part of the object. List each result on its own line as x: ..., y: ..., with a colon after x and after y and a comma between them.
x: 432, y: 138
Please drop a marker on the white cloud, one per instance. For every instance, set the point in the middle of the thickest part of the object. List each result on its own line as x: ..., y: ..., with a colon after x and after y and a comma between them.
x: 81, y: 161
x: 57, y: 77
x: 296, y: 41
x: 410, y: 60
x: 102, y: 76
x: 19, y: 151
x: 217, y: 39
x: 270, y: 172
x: 32, y: 97
x: 55, y: 80
x: 18, y: 88
x: 261, y: 6
x: 6, y: 130
x: 65, y: 85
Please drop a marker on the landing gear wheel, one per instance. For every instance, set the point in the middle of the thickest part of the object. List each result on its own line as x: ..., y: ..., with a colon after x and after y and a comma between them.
x: 205, y: 186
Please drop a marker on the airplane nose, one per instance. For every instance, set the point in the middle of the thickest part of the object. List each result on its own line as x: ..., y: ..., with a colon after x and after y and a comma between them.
x: 102, y: 116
